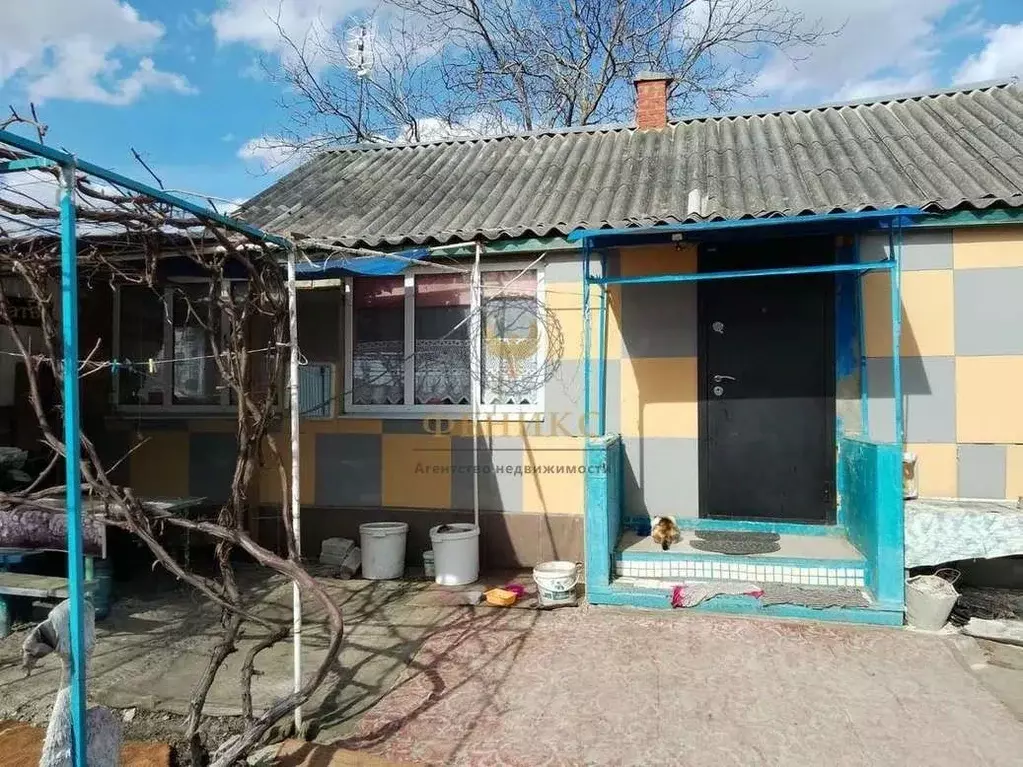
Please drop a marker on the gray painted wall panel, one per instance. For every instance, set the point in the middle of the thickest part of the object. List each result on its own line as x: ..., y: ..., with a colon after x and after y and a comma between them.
x: 659, y: 320
x: 348, y: 469
x: 925, y: 249
x: 563, y: 397
x: 989, y: 311
x: 982, y: 471
x: 211, y: 461
x: 662, y: 476
x: 499, y: 491
x: 928, y: 385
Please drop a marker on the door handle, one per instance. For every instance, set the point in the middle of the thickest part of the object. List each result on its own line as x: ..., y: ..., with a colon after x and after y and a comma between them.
x: 720, y: 378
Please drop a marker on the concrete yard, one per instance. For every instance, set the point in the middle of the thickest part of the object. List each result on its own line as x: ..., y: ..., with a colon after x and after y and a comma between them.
x: 425, y: 680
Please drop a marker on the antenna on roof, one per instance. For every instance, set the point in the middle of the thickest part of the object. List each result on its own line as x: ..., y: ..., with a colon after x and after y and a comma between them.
x: 359, y: 44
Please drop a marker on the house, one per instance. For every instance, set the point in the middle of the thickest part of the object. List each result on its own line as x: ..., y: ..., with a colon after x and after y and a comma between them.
x: 690, y: 318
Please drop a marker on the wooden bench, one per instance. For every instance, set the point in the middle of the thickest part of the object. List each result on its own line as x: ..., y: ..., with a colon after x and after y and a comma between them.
x: 27, y: 531
x: 37, y: 586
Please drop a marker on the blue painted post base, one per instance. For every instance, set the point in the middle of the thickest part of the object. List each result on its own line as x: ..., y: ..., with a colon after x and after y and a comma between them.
x: 729, y: 604
x: 103, y: 589
x: 5, y: 618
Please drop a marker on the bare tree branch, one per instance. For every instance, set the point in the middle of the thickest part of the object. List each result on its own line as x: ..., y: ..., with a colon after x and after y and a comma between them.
x: 123, y: 240
x: 455, y: 67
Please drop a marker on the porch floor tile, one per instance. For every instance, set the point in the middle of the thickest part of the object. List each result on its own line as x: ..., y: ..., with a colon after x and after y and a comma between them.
x: 792, y: 547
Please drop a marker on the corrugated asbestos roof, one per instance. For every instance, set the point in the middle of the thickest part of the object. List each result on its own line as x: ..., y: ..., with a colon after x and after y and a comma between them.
x: 938, y: 151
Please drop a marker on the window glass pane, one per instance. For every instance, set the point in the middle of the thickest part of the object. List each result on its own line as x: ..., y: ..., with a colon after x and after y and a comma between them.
x: 442, y: 369
x: 510, y: 339
x: 194, y: 372
x: 378, y: 341
x: 319, y: 323
x: 319, y: 339
x: 141, y: 329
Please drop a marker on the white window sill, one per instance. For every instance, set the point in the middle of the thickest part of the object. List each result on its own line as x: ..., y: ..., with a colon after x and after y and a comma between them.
x: 408, y: 415
x: 179, y: 411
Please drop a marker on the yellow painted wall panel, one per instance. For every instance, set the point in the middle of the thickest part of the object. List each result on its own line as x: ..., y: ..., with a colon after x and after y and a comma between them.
x: 1014, y: 471
x: 160, y: 466
x: 987, y: 247
x: 402, y: 485
x: 928, y: 314
x: 568, y: 295
x: 570, y: 323
x: 936, y: 469
x: 659, y: 397
x: 548, y: 492
x: 269, y: 480
x: 213, y: 425
x: 657, y: 259
x: 341, y: 426
x: 989, y: 391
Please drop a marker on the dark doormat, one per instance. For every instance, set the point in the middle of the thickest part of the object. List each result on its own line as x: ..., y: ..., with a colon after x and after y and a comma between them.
x: 736, y: 546
x: 731, y: 535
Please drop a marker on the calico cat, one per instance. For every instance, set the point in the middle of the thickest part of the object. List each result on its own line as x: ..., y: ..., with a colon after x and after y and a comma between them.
x: 665, y: 532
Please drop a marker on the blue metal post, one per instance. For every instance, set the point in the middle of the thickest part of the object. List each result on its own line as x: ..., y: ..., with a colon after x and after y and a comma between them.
x: 72, y: 442
x: 601, y: 351
x: 861, y: 321
x: 586, y: 343
x: 895, y: 249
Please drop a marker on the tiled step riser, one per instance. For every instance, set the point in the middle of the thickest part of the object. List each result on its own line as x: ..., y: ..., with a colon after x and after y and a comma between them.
x: 700, y: 569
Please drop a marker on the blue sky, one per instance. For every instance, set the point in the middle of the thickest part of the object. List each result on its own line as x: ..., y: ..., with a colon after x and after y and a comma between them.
x: 179, y: 82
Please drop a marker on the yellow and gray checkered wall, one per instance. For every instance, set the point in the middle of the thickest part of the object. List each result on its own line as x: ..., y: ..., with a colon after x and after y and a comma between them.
x: 526, y: 466
x: 962, y: 363
x: 961, y: 357
x: 656, y: 400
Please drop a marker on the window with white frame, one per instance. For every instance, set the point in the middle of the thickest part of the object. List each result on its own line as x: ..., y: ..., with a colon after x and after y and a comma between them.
x: 413, y: 344
x: 163, y: 350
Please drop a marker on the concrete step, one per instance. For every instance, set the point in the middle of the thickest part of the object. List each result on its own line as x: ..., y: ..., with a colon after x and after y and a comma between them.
x: 806, y: 560
x: 653, y: 593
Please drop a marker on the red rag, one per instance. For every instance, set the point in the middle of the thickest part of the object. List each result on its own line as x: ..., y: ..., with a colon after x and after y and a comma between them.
x: 678, y: 596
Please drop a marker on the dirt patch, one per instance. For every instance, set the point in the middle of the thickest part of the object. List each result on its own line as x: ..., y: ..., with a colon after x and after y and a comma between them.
x: 22, y: 744
x: 170, y: 728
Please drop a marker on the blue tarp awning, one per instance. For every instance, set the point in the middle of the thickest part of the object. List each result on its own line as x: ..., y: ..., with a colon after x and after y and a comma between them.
x: 334, y: 266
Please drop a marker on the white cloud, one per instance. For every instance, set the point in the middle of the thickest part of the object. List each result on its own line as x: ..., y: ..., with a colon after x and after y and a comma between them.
x: 885, y: 86
x: 78, y: 49
x: 254, y: 21
x: 470, y: 126
x: 81, y: 71
x: 880, y: 43
x: 1002, y: 56
x: 269, y: 153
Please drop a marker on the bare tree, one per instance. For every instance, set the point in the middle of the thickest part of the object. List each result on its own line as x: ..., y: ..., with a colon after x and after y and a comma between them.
x: 123, y: 241
x: 485, y: 66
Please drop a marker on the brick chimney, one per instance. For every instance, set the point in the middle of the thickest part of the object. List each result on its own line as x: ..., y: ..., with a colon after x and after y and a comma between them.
x: 651, y: 100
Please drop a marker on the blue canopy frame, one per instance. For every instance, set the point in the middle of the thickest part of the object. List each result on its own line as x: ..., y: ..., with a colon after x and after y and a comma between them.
x: 42, y: 156
x: 892, y: 220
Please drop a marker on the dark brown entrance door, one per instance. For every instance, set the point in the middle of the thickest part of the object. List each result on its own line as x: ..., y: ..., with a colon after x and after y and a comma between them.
x: 767, y: 376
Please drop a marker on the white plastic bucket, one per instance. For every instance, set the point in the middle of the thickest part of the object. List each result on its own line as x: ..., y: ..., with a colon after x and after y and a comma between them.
x: 383, y: 550
x: 456, y: 553
x: 555, y: 583
x: 929, y: 602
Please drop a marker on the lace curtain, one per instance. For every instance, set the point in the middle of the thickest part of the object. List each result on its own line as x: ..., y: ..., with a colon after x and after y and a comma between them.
x: 378, y: 373
x: 442, y: 372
